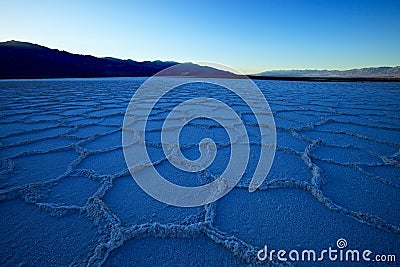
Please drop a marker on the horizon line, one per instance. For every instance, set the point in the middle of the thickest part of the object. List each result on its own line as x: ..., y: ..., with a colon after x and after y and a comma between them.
x: 191, y: 61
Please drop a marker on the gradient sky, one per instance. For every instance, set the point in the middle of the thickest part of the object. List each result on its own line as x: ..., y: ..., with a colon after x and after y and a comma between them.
x: 251, y: 36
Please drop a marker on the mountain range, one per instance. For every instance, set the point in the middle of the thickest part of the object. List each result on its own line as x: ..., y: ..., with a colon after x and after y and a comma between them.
x: 378, y: 72
x: 20, y: 60
x: 27, y: 60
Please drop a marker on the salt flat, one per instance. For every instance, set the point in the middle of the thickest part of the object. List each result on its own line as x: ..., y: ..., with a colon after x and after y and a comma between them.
x: 67, y: 197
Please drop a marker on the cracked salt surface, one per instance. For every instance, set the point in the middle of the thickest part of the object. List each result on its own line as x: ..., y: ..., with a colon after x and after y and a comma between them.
x: 67, y: 197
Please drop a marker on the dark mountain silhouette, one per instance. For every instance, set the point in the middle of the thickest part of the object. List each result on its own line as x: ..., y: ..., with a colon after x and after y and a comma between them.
x: 20, y: 60
x: 27, y: 60
x: 194, y: 70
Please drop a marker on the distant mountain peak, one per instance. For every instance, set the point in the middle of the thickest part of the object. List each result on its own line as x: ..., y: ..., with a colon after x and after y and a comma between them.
x: 370, y: 72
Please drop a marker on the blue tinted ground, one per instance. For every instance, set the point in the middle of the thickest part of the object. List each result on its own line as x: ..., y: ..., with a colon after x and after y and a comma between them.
x: 67, y: 197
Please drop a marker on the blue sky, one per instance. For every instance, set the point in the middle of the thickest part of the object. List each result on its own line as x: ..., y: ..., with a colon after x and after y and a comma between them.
x: 251, y: 36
